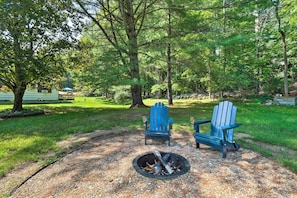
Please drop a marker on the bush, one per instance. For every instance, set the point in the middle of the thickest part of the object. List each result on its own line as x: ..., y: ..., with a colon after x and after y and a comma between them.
x: 24, y: 113
x: 121, y: 94
x: 121, y: 97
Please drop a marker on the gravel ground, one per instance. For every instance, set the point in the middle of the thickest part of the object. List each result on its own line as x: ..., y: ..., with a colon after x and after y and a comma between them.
x: 102, y: 167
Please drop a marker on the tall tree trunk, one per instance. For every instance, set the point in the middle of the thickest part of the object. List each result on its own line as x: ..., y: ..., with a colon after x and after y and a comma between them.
x: 160, y: 81
x: 136, y: 88
x: 286, y: 84
x: 129, y: 20
x: 283, y: 35
x: 224, y: 84
x: 19, y: 87
x: 258, y: 87
x: 169, y: 85
x: 18, y: 98
x: 209, y: 80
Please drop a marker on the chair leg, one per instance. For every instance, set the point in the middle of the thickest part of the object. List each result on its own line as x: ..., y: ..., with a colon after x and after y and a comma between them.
x: 236, y: 146
x: 224, y: 152
x: 169, y: 142
x: 145, y: 141
x: 197, y: 145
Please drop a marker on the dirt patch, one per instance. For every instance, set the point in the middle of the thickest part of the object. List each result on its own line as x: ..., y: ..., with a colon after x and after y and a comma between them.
x: 275, y: 151
x: 102, y: 167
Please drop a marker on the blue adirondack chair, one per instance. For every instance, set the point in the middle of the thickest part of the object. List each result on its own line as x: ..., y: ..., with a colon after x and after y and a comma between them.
x: 221, y: 129
x: 158, y: 125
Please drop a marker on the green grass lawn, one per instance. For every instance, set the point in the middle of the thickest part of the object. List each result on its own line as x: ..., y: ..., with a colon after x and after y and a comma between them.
x: 32, y: 138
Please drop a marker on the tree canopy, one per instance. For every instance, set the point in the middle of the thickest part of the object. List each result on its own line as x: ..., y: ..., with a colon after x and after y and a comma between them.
x: 156, y: 47
x: 33, y: 35
x: 215, y: 46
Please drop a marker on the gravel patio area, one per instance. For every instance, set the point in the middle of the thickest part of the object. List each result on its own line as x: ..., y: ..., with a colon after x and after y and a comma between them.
x: 102, y: 167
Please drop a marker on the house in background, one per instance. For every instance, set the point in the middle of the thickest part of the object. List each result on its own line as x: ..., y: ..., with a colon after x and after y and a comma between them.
x: 38, y: 93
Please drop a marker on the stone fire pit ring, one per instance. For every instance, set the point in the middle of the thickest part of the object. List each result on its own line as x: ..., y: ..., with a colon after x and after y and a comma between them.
x: 149, y: 158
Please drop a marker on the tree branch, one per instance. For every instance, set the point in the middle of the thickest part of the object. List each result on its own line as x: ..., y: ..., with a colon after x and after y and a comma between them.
x: 85, y: 11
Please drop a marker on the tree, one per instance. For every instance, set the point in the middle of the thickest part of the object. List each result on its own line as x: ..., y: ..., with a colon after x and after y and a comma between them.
x: 169, y: 83
x: 33, y: 33
x: 282, y: 31
x: 121, y: 22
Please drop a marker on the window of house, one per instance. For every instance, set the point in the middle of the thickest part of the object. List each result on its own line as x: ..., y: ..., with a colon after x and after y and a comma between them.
x: 43, y: 89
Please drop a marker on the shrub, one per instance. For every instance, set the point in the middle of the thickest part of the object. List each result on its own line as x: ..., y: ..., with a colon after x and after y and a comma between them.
x: 24, y: 113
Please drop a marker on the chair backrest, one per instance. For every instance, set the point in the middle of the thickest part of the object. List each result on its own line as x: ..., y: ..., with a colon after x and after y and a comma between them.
x: 159, y: 118
x: 224, y: 114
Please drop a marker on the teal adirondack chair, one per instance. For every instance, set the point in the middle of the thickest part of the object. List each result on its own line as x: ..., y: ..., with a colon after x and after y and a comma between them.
x: 158, y: 125
x: 221, y: 129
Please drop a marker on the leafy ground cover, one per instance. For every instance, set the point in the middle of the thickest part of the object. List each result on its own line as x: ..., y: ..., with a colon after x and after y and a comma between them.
x: 266, y: 128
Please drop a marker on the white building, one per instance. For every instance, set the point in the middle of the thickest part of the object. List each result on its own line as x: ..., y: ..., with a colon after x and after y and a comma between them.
x: 31, y: 94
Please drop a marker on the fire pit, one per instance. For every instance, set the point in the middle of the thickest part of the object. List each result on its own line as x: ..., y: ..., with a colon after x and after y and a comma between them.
x: 161, y: 165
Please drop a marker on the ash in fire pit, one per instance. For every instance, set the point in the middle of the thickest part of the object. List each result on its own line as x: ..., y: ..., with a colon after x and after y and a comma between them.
x: 161, y: 165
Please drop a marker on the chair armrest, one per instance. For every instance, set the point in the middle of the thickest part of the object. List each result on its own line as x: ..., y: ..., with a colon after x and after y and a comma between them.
x: 145, y: 121
x: 201, y: 122
x: 197, y: 123
x: 232, y: 126
x: 226, y: 128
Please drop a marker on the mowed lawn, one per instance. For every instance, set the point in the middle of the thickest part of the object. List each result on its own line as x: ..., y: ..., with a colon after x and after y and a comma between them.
x: 33, y: 138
